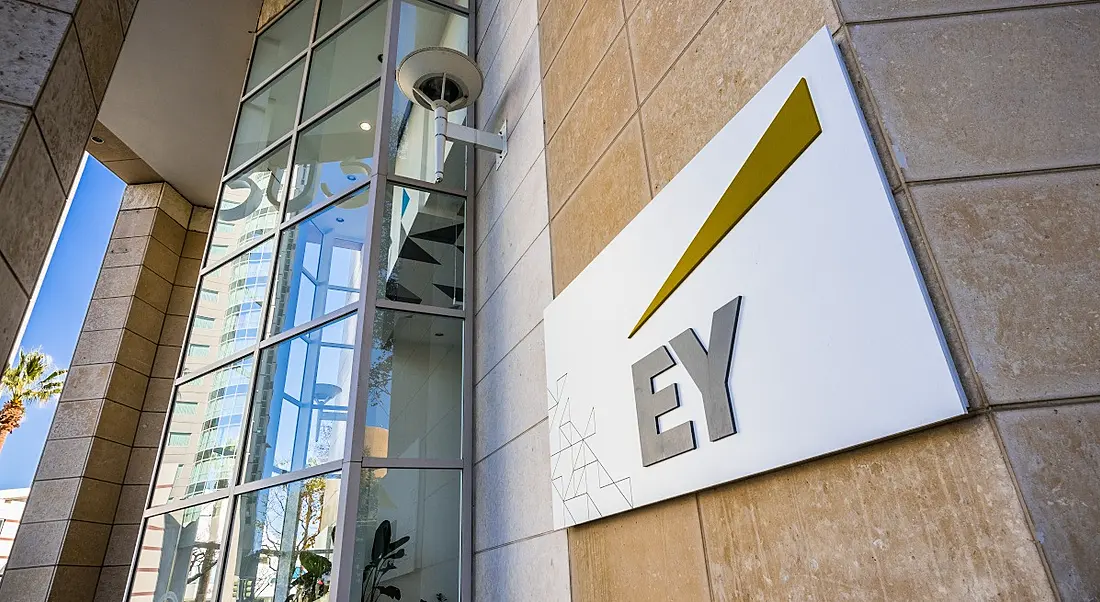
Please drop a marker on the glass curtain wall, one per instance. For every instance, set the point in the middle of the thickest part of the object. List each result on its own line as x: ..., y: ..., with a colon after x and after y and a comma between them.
x: 318, y: 442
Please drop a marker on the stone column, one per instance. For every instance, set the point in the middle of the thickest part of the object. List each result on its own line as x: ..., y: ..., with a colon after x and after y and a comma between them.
x: 79, y: 530
x: 56, y: 59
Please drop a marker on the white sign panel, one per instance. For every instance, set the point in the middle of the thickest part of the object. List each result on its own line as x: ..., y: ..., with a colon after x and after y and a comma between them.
x: 763, y: 309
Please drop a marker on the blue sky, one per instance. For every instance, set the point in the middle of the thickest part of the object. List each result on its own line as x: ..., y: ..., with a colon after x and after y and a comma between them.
x: 62, y: 302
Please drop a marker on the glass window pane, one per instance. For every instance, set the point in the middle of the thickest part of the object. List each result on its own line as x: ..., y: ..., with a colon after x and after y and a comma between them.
x: 423, y: 238
x: 232, y: 296
x: 336, y: 154
x: 249, y: 205
x: 282, y: 542
x: 334, y: 11
x: 321, y: 263
x: 351, y: 57
x: 267, y: 115
x: 414, y: 399
x: 423, y: 506
x: 412, y: 150
x: 300, y: 407
x: 281, y: 42
x: 204, y: 431
x: 179, y: 555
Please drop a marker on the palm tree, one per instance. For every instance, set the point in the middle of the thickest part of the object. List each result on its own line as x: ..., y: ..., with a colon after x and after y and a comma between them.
x: 25, y: 384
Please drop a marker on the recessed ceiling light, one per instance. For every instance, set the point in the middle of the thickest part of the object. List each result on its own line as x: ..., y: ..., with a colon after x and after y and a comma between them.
x: 97, y: 139
x: 364, y: 126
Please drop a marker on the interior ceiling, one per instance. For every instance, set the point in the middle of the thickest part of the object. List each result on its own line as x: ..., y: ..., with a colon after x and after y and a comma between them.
x: 175, y: 89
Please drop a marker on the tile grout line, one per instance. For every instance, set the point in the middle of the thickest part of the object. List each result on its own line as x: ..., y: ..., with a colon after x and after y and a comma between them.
x: 514, y: 541
x: 1001, y: 175
x: 703, y: 540
x: 588, y: 79
x: 569, y: 30
x: 507, y: 30
x: 638, y: 106
x: 507, y: 353
x: 545, y: 419
x: 545, y: 228
x: 572, y: 193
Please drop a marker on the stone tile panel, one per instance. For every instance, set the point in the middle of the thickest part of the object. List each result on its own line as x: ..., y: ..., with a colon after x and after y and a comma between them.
x: 928, y: 516
x: 1055, y: 454
x: 121, y: 546
x: 30, y: 37
x: 525, y: 144
x: 699, y: 95
x: 512, y: 396
x: 970, y: 94
x: 96, y: 501
x: 873, y: 10
x: 515, y: 308
x: 659, y: 31
x: 13, y: 304
x: 141, y: 196
x: 555, y: 22
x: 12, y: 120
x: 588, y: 221
x: 194, y: 245
x: 127, y: 386
x: 654, y: 553
x: 585, y: 46
x: 492, y: 34
x: 74, y: 583
x: 149, y: 429
x: 604, y: 107
x: 100, y: 28
x: 1018, y: 258
x: 532, y: 570
x: 508, y: 92
x: 131, y: 504
x: 512, y: 499
x: 167, y: 361
x: 31, y: 200
x: 106, y: 461
x: 50, y: 501
x: 66, y: 110
x: 169, y: 232
x: 27, y: 585
x: 522, y: 220
x: 158, y: 394
x: 112, y: 583
x: 201, y: 218
x: 181, y: 300
x: 139, y: 471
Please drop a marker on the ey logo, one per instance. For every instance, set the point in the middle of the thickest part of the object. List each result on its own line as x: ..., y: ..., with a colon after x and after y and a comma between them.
x: 790, y: 133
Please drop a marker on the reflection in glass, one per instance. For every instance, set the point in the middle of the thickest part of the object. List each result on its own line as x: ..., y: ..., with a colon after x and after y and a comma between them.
x: 249, y: 205
x: 412, y: 148
x: 321, y: 263
x: 266, y: 115
x: 281, y: 42
x: 422, y: 505
x: 336, y: 154
x: 351, y: 57
x: 282, y: 542
x: 414, y: 399
x: 203, y: 433
x: 423, y: 238
x: 230, y: 307
x: 300, y: 407
x: 334, y: 11
x: 179, y: 555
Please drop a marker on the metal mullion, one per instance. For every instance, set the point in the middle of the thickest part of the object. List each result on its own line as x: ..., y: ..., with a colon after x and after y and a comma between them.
x: 309, y: 212
x: 389, y: 82
x: 223, y: 558
x: 454, y: 7
x: 287, y: 477
x: 343, y: 22
x: 428, y: 186
x: 239, y: 252
x: 214, y: 366
x: 343, y: 558
x: 339, y: 103
x: 416, y: 308
x: 324, y: 320
x: 269, y: 293
x: 466, y: 539
x: 255, y: 157
x: 188, y: 502
x: 274, y: 76
x: 412, y: 463
x: 358, y: 395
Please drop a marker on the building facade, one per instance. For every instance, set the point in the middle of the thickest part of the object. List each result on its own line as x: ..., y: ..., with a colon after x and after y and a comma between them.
x: 12, y: 502
x: 309, y: 371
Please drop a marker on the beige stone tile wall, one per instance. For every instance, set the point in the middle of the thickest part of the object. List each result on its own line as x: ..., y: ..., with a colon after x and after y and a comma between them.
x: 985, y: 118
x: 89, y: 492
x: 56, y: 57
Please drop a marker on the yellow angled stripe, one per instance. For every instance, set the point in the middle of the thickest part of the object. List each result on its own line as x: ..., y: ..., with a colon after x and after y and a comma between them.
x: 790, y: 133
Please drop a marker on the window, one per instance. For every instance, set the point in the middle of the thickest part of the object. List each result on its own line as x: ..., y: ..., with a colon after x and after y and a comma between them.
x: 284, y: 392
x: 178, y: 439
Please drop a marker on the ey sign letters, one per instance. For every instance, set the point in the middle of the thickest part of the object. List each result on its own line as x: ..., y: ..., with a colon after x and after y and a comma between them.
x: 763, y: 309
